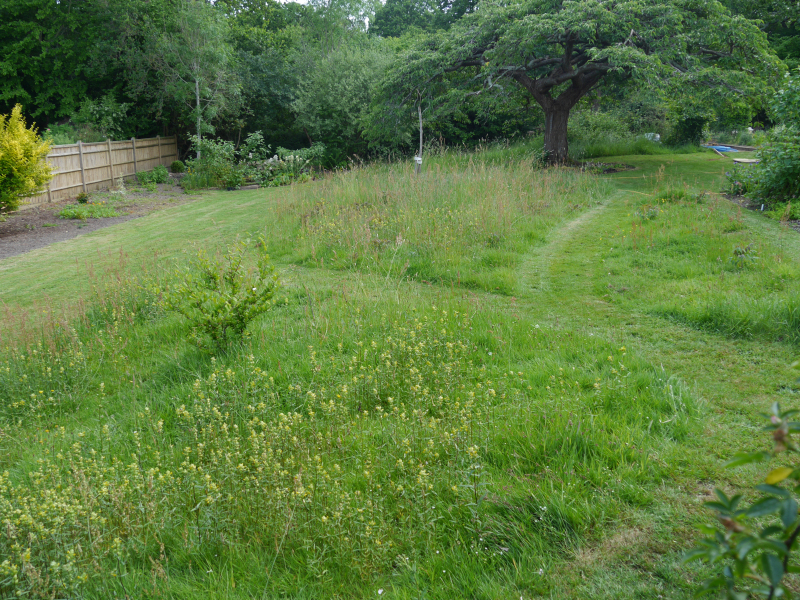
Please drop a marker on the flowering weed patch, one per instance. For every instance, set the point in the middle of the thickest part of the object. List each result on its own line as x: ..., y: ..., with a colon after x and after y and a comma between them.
x: 391, y: 449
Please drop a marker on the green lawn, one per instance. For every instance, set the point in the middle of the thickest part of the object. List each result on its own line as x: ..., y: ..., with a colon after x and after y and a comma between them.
x: 488, y: 382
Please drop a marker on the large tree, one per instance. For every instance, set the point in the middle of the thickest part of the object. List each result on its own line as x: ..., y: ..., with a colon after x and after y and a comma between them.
x: 559, y: 51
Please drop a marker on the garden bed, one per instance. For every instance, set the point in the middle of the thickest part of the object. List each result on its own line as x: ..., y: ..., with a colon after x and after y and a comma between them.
x: 41, y: 226
x: 745, y: 202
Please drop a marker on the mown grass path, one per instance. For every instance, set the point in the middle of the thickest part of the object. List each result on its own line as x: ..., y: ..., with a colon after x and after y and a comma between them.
x: 568, y: 283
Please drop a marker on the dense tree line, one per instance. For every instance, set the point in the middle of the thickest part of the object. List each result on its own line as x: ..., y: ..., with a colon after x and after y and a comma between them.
x: 354, y: 74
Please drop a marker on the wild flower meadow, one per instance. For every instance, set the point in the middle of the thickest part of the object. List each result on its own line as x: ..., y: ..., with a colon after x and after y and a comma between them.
x: 369, y: 436
x: 388, y: 448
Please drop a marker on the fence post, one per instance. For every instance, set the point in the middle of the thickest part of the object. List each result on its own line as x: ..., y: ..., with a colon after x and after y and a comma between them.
x: 133, y: 141
x: 110, y: 162
x: 158, y: 137
x: 80, y: 156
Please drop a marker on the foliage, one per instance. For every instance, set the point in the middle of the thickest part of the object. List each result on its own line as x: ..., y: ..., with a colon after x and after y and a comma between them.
x: 23, y: 168
x: 755, y: 545
x: 102, y: 119
x: 158, y: 175
x: 220, y: 163
x: 220, y: 296
x: 288, y: 166
x: 45, y: 52
x: 195, y: 61
x: 643, y: 39
x: 177, y: 166
x: 396, y: 17
x: 84, y: 211
x: 778, y: 172
x: 741, y: 179
x: 594, y: 126
x: 215, y: 163
x: 63, y: 134
x: 334, y: 90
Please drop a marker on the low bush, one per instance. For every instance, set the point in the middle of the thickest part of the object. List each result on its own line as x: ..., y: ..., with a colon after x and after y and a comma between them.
x: 23, y: 166
x: 590, y: 126
x: 777, y: 176
x: 157, y: 175
x: 87, y: 211
x: 177, y: 166
x: 289, y: 166
x: 219, y: 297
x: 221, y: 164
x: 740, y: 179
x: 754, y: 541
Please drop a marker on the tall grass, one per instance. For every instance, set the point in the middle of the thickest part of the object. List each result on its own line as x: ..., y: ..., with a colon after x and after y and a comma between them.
x: 342, y: 447
x: 461, y: 224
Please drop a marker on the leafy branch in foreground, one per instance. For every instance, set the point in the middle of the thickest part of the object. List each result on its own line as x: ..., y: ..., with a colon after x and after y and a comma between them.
x: 220, y: 296
x: 756, y: 542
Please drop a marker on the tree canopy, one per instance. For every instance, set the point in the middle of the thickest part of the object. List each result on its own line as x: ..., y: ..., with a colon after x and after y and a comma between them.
x: 560, y: 51
x: 344, y: 72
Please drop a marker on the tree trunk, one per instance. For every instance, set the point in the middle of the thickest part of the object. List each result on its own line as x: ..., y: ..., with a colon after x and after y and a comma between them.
x: 555, y: 135
x: 197, y: 108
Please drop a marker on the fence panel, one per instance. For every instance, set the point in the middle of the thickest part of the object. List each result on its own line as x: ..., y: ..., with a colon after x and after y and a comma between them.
x: 89, y: 167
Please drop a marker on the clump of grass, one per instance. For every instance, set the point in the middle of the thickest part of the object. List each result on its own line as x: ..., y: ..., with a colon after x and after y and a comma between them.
x: 87, y: 211
x: 679, y: 194
x: 43, y: 382
x: 466, y: 226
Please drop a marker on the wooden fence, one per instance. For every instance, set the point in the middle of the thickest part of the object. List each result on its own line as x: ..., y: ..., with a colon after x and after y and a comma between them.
x: 87, y: 167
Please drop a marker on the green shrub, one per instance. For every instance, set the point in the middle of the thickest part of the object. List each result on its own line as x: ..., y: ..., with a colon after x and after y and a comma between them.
x: 157, y: 175
x: 82, y: 198
x: 687, y: 130
x: 160, y: 174
x: 59, y: 135
x: 591, y: 126
x: 740, y: 179
x: 753, y: 542
x: 777, y: 176
x: 197, y: 180
x: 23, y: 166
x: 87, y: 211
x: 289, y: 166
x: 177, y: 166
x: 219, y: 297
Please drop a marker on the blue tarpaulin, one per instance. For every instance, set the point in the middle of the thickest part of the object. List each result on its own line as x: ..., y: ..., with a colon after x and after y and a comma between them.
x: 722, y: 148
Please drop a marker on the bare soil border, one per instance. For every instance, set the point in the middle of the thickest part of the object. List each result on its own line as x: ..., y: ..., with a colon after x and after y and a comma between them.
x: 40, y: 226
